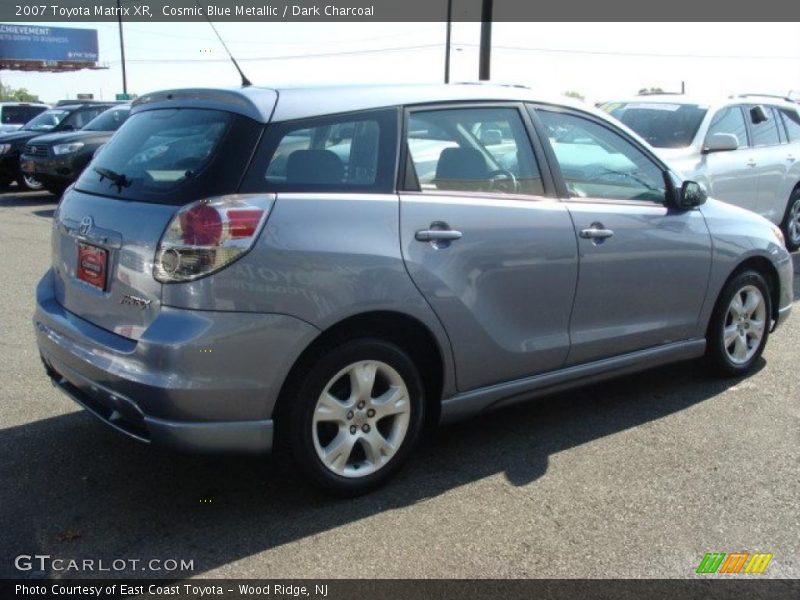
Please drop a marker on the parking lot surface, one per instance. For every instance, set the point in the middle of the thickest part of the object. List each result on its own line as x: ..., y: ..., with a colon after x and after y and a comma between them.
x: 637, y: 477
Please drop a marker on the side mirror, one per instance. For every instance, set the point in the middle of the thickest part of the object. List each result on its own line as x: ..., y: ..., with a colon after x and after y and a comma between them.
x: 758, y: 114
x: 721, y: 142
x: 66, y: 128
x: 691, y: 195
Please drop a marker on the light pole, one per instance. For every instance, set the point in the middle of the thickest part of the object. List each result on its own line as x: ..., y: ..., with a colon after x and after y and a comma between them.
x: 484, y: 68
x: 122, y: 50
x: 447, y: 41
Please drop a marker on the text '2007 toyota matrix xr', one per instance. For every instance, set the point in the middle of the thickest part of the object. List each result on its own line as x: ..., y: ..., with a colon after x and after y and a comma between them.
x: 337, y: 269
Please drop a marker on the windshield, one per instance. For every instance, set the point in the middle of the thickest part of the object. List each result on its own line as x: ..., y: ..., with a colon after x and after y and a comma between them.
x: 109, y: 120
x: 47, y: 121
x: 662, y: 124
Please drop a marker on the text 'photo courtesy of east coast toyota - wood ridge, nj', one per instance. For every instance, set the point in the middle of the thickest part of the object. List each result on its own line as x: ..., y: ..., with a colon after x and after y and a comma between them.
x: 454, y: 299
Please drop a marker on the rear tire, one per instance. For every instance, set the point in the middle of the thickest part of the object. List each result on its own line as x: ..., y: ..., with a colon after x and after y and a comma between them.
x: 740, y: 324
x: 791, y: 222
x: 356, y: 416
x: 29, y: 183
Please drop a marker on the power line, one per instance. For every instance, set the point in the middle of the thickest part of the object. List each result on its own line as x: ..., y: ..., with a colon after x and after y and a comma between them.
x: 282, y: 57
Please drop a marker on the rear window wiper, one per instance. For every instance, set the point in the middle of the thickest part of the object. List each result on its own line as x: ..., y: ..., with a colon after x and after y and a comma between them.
x: 118, y: 179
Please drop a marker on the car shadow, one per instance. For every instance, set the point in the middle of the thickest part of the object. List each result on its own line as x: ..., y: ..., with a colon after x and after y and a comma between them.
x: 796, y: 262
x: 70, y: 487
x: 30, y: 199
x: 47, y: 213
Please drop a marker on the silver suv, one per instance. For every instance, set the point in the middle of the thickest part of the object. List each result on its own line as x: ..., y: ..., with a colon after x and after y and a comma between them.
x: 337, y: 269
x: 744, y: 149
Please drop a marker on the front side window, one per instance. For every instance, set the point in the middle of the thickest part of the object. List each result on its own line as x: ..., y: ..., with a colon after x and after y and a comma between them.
x: 729, y: 120
x: 473, y: 150
x: 765, y: 133
x: 354, y: 152
x: 791, y: 119
x: 597, y: 162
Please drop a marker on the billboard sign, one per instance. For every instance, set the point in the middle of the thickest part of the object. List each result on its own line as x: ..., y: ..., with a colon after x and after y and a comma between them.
x: 47, y: 44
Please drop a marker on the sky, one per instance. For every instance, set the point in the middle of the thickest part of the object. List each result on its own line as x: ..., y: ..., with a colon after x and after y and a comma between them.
x: 601, y: 61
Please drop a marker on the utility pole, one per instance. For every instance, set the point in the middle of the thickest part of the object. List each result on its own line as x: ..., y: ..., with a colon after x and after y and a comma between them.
x: 447, y: 41
x: 122, y: 50
x: 484, y: 69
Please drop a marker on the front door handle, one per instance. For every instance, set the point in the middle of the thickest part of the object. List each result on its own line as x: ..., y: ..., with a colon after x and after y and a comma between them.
x: 790, y: 158
x: 596, y: 233
x: 437, y: 235
x: 751, y: 163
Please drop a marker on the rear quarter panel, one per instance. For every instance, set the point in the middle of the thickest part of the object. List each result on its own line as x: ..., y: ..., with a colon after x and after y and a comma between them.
x: 322, y: 259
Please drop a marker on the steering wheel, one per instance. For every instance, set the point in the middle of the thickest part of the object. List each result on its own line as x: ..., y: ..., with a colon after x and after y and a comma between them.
x: 503, y: 180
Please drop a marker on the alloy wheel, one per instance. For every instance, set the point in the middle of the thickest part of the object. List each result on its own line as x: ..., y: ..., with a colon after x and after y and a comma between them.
x: 745, y: 323
x: 361, y: 418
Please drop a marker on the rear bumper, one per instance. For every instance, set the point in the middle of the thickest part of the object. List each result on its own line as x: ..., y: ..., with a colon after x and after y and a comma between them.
x: 196, y: 381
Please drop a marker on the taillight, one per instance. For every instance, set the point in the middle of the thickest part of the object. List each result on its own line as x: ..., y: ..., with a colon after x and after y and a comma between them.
x: 208, y: 235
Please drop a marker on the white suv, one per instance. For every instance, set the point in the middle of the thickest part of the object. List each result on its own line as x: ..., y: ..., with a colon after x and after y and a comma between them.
x: 744, y: 149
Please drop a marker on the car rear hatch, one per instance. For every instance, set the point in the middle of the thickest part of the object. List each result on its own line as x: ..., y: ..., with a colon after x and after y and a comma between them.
x: 170, y: 153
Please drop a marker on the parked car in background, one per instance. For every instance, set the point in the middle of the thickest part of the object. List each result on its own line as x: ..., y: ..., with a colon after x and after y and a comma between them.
x: 337, y: 269
x: 744, y: 149
x: 57, y: 159
x: 69, y: 117
x: 13, y: 115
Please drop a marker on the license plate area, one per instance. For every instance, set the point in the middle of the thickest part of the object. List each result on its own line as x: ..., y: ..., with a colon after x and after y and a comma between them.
x: 92, y: 265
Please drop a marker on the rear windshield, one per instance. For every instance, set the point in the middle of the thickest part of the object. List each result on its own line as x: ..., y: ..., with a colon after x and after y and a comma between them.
x: 173, y: 156
x: 662, y: 124
x: 48, y: 120
x: 19, y: 115
x: 109, y: 120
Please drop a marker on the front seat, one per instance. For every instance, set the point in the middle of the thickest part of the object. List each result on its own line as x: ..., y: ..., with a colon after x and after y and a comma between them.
x: 461, y: 169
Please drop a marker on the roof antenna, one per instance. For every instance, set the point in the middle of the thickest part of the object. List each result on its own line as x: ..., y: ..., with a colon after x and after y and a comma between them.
x: 245, y: 81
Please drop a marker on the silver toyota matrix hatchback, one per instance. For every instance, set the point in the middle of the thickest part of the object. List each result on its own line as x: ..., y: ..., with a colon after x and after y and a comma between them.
x: 337, y: 269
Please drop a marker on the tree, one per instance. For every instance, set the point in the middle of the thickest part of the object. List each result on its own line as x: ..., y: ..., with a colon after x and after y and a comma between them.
x: 16, y: 94
x: 574, y: 94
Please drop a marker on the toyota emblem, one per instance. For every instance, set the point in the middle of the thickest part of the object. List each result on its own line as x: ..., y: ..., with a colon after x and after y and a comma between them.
x: 86, y: 225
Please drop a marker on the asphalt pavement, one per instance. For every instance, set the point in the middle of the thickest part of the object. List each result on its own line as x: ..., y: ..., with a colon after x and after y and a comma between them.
x: 637, y: 477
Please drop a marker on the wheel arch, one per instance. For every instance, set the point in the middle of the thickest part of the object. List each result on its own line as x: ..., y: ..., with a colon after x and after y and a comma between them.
x: 767, y: 269
x: 407, y: 332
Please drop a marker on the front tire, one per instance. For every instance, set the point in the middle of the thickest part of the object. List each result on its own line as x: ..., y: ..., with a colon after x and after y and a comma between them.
x: 791, y: 222
x: 356, y: 416
x: 740, y: 324
x: 29, y: 183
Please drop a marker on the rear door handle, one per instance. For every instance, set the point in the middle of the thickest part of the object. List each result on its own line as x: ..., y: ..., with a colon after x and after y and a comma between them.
x: 790, y: 158
x: 596, y: 233
x: 436, y: 235
x: 751, y: 163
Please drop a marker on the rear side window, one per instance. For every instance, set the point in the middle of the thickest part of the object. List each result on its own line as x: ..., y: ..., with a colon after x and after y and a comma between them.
x: 81, y: 117
x: 338, y: 153
x: 109, y: 120
x: 791, y: 120
x: 173, y: 156
x: 730, y: 120
x: 766, y: 132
